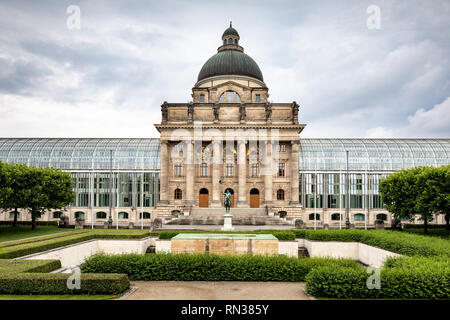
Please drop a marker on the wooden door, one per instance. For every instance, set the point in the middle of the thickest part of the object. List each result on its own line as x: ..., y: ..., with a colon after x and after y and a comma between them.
x: 254, y: 200
x: 232, y: 200
x: 203, y: 200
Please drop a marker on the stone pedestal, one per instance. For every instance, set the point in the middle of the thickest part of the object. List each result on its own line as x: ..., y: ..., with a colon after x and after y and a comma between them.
x: 227, y: 222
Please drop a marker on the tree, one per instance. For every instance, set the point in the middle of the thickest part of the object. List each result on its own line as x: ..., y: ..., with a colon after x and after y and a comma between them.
x: 46, y: 189
x: 5, y: 184
x: 399, y: 192
x: 433, y: 193
x: 420, y: 190
x: 15, y: 199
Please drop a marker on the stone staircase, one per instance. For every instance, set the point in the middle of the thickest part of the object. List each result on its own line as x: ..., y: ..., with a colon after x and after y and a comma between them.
x: 236, y: 212
x: 237, y: 220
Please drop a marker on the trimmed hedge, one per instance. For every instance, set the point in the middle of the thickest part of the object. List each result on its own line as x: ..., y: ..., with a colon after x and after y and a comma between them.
x: 279, y: 234
x: 39, y: 245
x: 29, y: 266
x: 209, y: 267
x: 398, y: 283
x: 33, y: 277
x: 423, y: 272
x: 28, y: 223
x: 56, y: 283
x: 399, y: 242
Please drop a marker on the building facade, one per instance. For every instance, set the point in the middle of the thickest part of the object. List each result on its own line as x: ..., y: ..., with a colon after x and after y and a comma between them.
x: 229, y: 137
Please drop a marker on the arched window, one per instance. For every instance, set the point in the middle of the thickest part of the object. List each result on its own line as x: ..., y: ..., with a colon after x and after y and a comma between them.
x: 235, y: 41
x: 336, y: 216
x: 100, y: 215
x: 79, y: 214
x: 146, y: 215
x: 358, y: 217
x: 230, y: 96
x: 178, y: 194
x: 311, y: 216
x: 57, y: 214
x: 382, y: 216
x: 123, y: 215
x: 280, y: 194
x: 224, y: 41
x: 282, y: 214
x: 230, y: 41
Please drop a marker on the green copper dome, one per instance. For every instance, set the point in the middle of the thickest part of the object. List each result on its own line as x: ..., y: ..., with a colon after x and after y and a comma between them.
x: 230, y: 60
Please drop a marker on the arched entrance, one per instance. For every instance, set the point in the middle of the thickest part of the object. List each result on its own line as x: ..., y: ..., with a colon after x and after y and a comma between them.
x: 203, y: 198
x: 232, y: 196
x: 254, y: 198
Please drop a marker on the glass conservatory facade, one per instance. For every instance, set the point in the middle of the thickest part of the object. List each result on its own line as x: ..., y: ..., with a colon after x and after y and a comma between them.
x: 135, y: 170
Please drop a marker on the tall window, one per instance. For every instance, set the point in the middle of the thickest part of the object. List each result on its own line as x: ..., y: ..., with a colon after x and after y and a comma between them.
x: 229, y: 96
x: 178, y: 170
x: 229, y: 170
x: 280, y: 194
x: 258, y: 98
x: 202, y: 98
x: 255, y: 169
x: 281, y: 169
x: 178, y: 194
x: 204, y: 170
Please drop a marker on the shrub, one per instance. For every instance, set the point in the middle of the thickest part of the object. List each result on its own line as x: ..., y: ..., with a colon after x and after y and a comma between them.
x: 208, y: 267
x: 56, y: 283
x: 400, y: 283
x: 24, y: 248
x: 399, y: 242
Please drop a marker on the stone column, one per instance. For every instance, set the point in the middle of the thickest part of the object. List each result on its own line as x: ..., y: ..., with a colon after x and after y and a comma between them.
x: 216, y: 175
x: 189, y: 165
x: 164, y: 173
x: 268, y: 173
x: 294, y: 173
x: 242, y: 163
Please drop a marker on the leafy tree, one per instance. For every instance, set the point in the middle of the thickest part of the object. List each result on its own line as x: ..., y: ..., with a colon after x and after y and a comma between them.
x: 420, y: 190
x: 434, y: 193
x: 5, y: 183
x: 399, y: 192
x: 15, y: 200
x: 46, y: 189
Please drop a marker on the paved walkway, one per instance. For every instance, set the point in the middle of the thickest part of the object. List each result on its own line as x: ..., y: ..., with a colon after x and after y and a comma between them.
x: 216, y: 290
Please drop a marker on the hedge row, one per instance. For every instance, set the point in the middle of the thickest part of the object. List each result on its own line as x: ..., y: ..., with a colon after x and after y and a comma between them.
x: 399, y: 283
x: 40, y: 238
x: 399, y: 242
x: 28, y: 223
x: 279, y: 234
x: 209, y: 267
x: 56, y: 242
x: 29, y: 266
x: 56, y: 283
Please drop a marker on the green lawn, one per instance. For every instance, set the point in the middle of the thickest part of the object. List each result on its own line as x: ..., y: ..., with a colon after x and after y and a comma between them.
x: 57, y: 297
x: 8, y: 232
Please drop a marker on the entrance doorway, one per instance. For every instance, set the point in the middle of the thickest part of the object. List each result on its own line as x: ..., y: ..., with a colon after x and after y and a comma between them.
x: 203, y: 198
x: 254, y: 198
x: 232, y: 196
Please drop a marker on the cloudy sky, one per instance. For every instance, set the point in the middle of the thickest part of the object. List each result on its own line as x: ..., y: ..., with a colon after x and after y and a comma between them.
x: 109, y: 78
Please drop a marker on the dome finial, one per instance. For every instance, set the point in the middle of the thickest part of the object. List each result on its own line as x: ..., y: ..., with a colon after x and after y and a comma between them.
x: 231, y: 24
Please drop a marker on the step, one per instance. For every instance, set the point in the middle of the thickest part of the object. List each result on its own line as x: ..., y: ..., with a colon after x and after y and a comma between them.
x: 237, y: 220
x: 233, y: 211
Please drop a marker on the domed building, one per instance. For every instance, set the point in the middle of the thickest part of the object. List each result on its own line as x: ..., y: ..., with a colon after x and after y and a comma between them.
x: 228, y: 138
